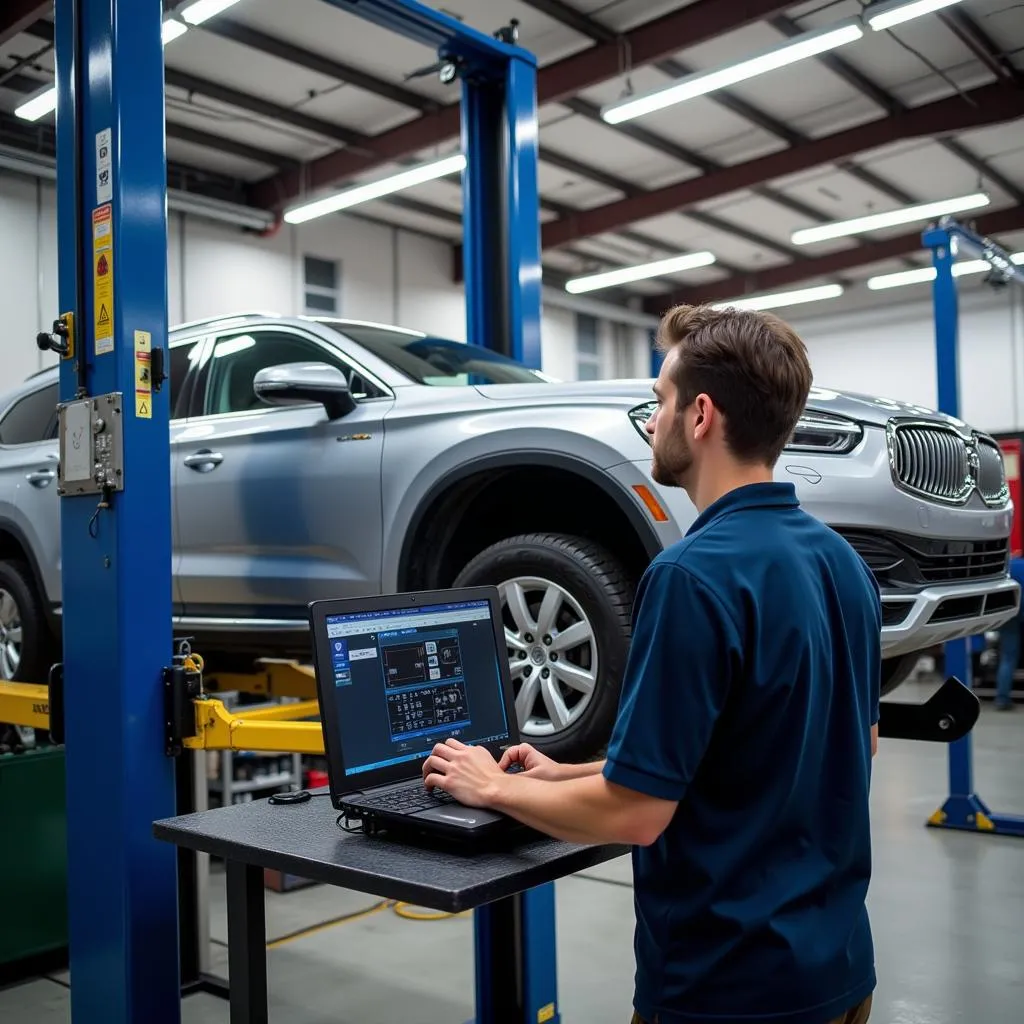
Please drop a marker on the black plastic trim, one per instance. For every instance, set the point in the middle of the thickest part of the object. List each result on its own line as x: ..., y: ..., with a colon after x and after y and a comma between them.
x: 49, y: 609
x: 524, y: 459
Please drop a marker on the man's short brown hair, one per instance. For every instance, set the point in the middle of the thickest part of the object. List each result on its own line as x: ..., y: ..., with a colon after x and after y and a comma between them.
x: 752, y: 365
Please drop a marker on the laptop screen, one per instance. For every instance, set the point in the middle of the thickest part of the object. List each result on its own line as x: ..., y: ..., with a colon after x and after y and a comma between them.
x: 407, y: 678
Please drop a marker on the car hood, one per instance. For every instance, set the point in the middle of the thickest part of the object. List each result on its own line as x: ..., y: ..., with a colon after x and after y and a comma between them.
x: 869, y: 409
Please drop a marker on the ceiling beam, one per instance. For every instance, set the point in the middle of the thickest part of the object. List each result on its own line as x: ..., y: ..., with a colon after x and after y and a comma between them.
x: 893, y: 105
x: 978, y: 41
x: 696, y: 23
x: 791, y: 274
x: 987, y: 105
x: 221, y: 144
x: 228, y: 28
x: 18, y: 15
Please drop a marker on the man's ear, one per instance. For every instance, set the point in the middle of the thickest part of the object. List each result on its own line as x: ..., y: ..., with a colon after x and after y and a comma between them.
x: 703, y: 415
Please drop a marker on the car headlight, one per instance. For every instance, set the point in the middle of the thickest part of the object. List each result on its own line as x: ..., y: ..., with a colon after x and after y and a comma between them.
x: 639, y: 417
x: 822, y: 432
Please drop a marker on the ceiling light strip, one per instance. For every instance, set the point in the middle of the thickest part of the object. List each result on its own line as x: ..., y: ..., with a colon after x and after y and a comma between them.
x: 891, y: 218
x: 776, y: 300
x: 642, y: 272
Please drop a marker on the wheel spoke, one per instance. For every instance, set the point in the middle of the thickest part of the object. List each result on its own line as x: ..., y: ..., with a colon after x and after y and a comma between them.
x: 548, y: 611
x: 515, y: 666
x: 8, y: 662
x: 8, y: 609
x: 516, y: 599
x: 555, y: 703
x: 576, y: 634
x: 573, y: 676
x: 14, y: 635
x: 513, y: 640
x: 526, y: 698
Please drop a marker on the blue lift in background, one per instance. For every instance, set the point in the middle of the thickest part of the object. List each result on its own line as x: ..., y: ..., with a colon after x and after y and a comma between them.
x: 963, y: 808
x: 115, y: 463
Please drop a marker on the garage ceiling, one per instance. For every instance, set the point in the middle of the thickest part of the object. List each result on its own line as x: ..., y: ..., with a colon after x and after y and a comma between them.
x: 269, y: 102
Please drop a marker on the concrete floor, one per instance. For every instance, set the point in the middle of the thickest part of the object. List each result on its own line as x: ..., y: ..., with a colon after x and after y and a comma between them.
x: 947, y: 910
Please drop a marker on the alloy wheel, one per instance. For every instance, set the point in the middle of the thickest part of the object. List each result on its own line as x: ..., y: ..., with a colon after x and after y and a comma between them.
x: 10, y: 636
x: 552, y: 654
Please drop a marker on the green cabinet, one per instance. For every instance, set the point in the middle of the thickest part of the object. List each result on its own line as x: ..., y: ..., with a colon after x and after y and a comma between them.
x: 33, y: 854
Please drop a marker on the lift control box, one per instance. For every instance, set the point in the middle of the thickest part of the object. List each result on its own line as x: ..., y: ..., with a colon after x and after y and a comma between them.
x: 91, y: 445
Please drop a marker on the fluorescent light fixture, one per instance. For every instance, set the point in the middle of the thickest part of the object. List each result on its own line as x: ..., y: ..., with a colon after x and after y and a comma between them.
x: 376, y: 189
x: 203, y: 10
x: 778, y: 299
x: 701, y: 82
x: 885, y: 15
x: 904, y: 215
x: 171, y: 30
x: 624, y: 275
x: 46, y: 102
x: 41, y: 104
x: 927, y: 274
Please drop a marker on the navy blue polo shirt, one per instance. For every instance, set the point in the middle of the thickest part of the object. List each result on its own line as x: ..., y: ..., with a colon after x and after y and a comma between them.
x: 749, y: 695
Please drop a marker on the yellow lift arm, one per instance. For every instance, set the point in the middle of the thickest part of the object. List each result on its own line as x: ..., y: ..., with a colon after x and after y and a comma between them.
x: 278, y: 729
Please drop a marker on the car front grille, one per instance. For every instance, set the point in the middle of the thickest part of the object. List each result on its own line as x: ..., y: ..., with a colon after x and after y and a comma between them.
x: 898, y: 560
x: 935, y: 461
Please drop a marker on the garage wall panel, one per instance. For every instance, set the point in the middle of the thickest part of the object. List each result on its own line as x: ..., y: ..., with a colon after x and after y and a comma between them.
x: 385, y: 274
x: 891, y: 352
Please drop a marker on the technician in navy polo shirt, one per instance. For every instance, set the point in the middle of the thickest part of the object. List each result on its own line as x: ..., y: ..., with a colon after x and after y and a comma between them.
x: 740, y: 763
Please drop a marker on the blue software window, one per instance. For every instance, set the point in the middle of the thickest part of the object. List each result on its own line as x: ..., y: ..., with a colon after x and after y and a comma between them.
x: 407, y: 678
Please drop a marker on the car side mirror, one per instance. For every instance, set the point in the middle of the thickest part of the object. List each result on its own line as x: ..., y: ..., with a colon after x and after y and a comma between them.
x: 303, y: 383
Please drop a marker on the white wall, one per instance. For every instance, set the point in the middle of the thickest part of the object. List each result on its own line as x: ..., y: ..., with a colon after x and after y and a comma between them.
x: 889, y: 350
x: 387, y: 275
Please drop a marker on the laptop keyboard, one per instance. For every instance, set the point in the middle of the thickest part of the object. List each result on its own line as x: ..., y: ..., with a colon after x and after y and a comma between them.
x: 406, y: 801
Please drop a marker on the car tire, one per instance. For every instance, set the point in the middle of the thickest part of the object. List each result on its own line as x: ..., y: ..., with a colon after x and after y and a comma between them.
x: 24, y: 633
x: 588, y: 592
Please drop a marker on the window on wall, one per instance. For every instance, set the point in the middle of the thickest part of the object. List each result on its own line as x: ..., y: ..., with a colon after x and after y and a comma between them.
x: 588, y: 353
x: 322, y: 286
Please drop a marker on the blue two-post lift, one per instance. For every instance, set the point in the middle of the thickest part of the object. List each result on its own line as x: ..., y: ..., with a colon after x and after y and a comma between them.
x: 963, y: 808
x: 115, y: 463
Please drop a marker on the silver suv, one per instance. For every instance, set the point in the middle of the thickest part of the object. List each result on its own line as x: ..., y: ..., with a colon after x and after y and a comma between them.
x: 321, y: 457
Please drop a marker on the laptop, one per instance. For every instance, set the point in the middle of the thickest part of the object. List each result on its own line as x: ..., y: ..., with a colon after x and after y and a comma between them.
x: 396, y: 675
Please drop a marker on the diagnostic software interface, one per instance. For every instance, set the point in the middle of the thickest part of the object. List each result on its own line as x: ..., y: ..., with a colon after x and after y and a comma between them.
x: 408, y: 678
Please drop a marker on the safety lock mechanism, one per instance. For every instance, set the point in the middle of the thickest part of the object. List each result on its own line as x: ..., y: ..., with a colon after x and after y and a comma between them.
x: 183, y: 683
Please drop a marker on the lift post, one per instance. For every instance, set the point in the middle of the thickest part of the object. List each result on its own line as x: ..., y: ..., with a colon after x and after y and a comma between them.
x: 501, y: 201
x: 963, y: 808
x: 114, y: 482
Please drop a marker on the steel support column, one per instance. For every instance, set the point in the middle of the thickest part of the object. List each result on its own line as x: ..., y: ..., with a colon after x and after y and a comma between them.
x: 111, y: 170
x: 502, y: 272
x: 963, y: 808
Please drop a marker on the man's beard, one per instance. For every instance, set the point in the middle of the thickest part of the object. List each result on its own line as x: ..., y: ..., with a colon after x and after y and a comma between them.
x: 672, y: 462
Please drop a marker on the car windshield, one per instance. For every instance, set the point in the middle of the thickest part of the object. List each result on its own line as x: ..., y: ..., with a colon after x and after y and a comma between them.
x: 437, y: 361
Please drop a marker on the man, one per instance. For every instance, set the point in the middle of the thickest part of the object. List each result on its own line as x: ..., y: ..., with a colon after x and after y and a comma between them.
x: 1009, y: 646
x: 740, y: 762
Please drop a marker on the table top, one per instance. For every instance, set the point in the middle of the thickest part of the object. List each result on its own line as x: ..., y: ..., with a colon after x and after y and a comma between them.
x: 304, y: 839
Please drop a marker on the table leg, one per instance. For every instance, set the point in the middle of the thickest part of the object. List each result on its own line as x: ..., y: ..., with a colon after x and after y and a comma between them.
x: 247, y: 944
x: 516, y: 964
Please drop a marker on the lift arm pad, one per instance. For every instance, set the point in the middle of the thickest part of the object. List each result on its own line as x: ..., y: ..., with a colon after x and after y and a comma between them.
x: 947, y: 716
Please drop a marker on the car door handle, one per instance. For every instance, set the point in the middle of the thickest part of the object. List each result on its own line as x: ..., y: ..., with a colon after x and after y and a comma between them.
x: 203, y: 461
x: 41, y: 477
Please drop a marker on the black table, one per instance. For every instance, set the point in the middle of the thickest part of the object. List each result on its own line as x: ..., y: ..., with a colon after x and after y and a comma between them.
x: 509, y: 889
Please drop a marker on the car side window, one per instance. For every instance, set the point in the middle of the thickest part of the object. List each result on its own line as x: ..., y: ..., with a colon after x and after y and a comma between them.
x: 31, y: 419
x: 237, y: 358
x: 180, y: 359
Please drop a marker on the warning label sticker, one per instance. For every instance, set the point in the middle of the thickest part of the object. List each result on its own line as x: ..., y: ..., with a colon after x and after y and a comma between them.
x: 103, y: 279
x: 143, y: 375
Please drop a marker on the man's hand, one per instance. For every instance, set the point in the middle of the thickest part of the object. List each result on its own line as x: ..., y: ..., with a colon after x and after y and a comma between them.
x: 535, y: 764
x: 469, y: 774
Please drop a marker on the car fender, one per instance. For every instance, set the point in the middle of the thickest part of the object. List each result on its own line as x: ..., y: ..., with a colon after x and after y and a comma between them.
x: 478, y: 455
x: 12, y: 528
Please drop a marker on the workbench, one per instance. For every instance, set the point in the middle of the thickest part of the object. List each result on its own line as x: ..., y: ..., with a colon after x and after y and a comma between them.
x: 304, y: 839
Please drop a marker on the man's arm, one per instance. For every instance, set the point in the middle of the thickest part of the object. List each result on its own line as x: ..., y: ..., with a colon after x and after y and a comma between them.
x: 589, y: 809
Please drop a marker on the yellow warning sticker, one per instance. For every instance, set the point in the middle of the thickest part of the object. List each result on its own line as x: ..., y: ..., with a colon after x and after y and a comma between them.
x: 546, y: 1013
x: 143, y: 375
x: 103, y: 279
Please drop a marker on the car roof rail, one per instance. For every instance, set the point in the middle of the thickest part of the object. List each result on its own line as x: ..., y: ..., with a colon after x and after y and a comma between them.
x: 222, y: 317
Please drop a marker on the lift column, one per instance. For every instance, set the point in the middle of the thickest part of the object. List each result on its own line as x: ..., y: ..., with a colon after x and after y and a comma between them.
x: 114, y: 483
x: 963, y: 808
